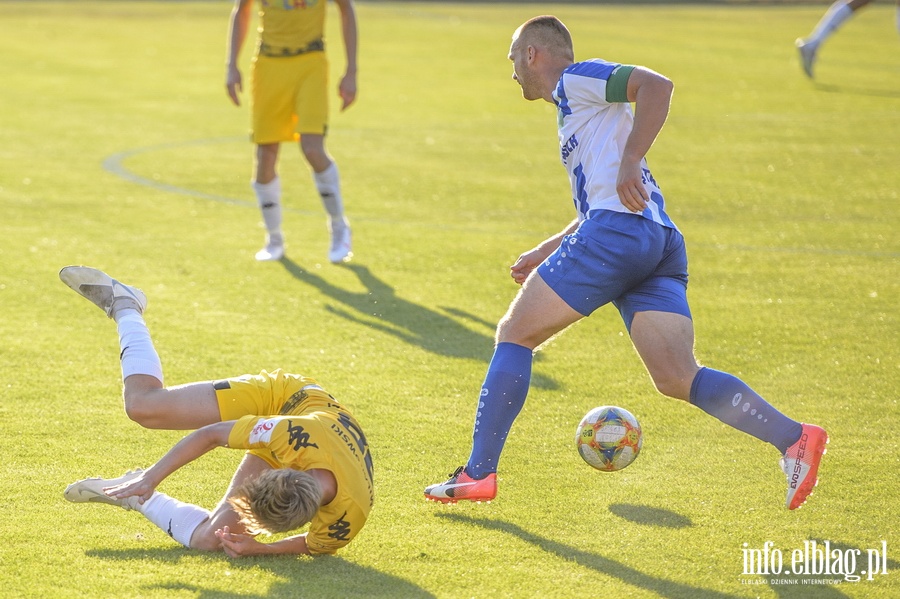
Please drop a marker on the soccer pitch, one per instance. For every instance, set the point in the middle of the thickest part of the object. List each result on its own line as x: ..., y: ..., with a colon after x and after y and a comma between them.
x: 120, y: 150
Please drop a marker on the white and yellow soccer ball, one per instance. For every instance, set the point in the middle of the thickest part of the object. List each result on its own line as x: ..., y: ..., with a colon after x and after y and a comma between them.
x: 609, y: 438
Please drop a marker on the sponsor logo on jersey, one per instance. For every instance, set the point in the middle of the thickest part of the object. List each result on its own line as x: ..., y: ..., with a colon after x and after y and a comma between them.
x: 262, y: 432
x: 340, y: 530
x: 298, y: 437
x: 567, y: 148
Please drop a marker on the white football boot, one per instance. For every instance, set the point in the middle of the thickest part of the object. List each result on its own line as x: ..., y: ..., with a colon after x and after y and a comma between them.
x: 341, y: 246
x: 102, y: 290
x: 273, y: 251
x: 807, y: 55
x: 90, y: 490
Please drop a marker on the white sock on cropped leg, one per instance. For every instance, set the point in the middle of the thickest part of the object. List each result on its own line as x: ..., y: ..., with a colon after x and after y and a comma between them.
x: 833, y: 18
x: 177, y: 519
x: 138, y: 354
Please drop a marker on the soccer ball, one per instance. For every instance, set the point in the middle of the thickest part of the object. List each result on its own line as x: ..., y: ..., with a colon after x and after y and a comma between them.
x: 608, y: 438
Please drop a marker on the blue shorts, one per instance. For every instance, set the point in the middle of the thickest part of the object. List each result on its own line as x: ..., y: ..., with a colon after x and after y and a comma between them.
x: 626, y: 259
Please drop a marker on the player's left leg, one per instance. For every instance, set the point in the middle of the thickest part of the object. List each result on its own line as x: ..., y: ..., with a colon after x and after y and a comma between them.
x: 665, y: 343
x: 836, y: 15
x: 328, y: 183
x: 312, y: 125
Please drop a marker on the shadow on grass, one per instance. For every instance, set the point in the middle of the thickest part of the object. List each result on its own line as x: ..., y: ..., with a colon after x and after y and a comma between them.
x: 846, y: 89
x: 599, y: 563
x: 320, y: 577
x: 381, y: 309
x: 651, y: 516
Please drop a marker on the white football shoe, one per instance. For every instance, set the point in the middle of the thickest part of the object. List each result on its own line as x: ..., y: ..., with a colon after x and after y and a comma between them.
x: 102, y: 290
x: 273, y: 252
x: 807, y: 55
x: 90, y: 490
x: 341, y: 246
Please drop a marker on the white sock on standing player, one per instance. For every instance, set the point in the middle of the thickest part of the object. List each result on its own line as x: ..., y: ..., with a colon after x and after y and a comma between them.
x: 328, y: 184
x: 268, y: 196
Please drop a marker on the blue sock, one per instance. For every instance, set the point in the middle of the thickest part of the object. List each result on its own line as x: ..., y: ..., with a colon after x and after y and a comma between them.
x: 502, y: 397
x: 730, y: 400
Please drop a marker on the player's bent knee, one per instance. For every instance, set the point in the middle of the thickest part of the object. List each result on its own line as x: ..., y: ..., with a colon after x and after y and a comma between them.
x: 143, y: 412
x: 673, y: 386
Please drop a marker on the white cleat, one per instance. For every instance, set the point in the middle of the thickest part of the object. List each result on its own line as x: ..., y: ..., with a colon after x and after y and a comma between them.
x: 807, y: 55
x: 341, y: 246
x: 90, y: 490
x: 271, y: 253
x: 102, y: 290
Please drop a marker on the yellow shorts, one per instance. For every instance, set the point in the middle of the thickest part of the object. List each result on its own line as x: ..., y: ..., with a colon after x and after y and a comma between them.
x: 289, y: 96
x: 269, y: 394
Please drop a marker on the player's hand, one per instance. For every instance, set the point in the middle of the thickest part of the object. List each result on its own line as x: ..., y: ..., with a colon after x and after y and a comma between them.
x: 630, y: 186
x: 142, y: 487
x: 347, y: 90
x: 234, y: 84
x: 238, y: 544
x: 526, y: 263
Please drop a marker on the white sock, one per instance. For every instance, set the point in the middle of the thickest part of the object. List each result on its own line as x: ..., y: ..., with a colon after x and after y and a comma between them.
x: 328, y: 184
x: 833, y: 18
x: 177, y: 519
x: 268, y: 196
x: 138, y: 354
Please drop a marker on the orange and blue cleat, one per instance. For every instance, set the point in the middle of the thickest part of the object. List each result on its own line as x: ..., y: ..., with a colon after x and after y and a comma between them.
x: 461, y: 487
x: 801, y: 464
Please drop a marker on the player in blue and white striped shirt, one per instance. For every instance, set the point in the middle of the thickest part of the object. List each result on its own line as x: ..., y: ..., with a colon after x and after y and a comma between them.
x: 621, y: 248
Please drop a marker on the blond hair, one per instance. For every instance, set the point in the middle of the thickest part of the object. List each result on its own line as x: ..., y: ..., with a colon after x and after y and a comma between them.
x: 549, y: 32
x: 277, y: 501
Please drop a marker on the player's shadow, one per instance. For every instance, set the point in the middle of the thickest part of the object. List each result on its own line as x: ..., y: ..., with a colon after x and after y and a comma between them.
x: 650, y: 516
x: 379, y: 307
x: 599, y: 563
x: 845, y: 89
x: 324, y: 576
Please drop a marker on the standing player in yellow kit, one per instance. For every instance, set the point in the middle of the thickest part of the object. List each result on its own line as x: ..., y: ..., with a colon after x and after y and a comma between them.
x: 308, y: 460
x: 289, y: 102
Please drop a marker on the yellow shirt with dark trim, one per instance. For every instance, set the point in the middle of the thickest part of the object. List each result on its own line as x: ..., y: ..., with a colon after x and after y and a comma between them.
x: 286, y: 26
x: 330, y: 439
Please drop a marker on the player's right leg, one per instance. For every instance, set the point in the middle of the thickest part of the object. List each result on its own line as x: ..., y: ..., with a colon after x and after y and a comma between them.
x: 267, y: 188
x: 272, y: 84
x: 535, y: 315
x: 147, y: 401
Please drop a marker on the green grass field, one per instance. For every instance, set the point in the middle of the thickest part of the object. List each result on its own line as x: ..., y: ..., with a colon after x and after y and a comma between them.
x: 119, y: 149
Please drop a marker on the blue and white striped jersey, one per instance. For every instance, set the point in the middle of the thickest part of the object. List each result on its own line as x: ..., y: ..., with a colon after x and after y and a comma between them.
x: 592, y: 136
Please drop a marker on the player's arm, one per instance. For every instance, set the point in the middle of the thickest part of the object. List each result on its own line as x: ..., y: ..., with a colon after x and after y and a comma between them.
x: 241, y: 545
x: 652, y: 96
x: 350, y: 31
x: 187, y: 450
x: 531, y: 259
x: 237, y: 33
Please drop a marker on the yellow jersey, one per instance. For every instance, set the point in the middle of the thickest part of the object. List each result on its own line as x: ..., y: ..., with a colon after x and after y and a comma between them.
x: 290, y: 27
x: 322, y: 434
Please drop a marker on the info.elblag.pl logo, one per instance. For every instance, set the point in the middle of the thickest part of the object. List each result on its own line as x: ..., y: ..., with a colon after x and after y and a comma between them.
x: 828, y: 563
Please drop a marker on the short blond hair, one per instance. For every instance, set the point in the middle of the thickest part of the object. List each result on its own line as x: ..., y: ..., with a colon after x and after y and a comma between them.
x: 549, y: 32
x: 277, y: 501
